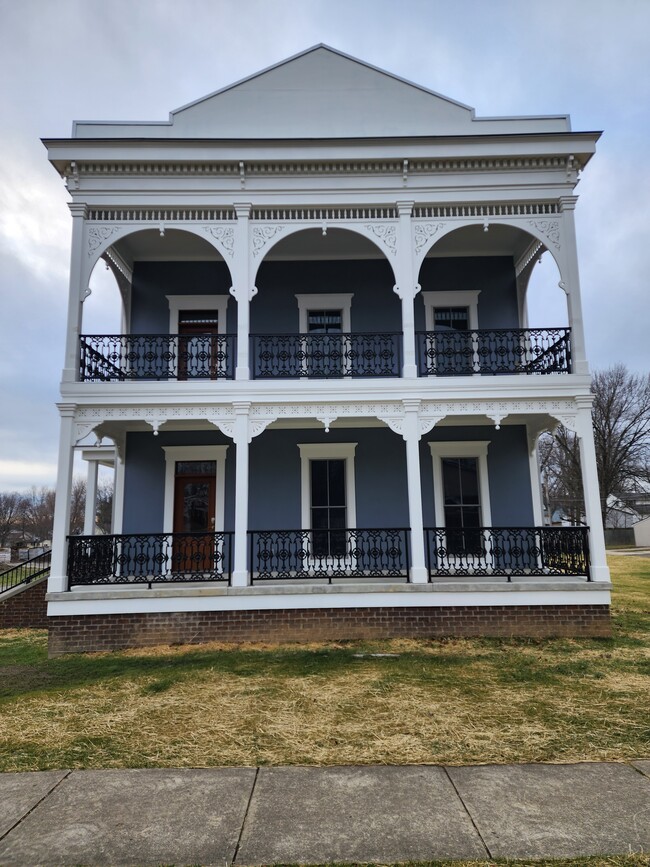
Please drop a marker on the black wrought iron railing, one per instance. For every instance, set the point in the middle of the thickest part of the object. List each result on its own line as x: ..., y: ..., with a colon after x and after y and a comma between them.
x: 25, y: 572
x: 120, y: 357
x: 149, y: 558
x: 505, y: 350
x: 330, y: 554
x: 326, y: 356
x: 507, y: 551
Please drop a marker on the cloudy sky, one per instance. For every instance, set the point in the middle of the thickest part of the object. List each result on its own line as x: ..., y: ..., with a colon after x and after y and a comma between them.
x: 62, y: 60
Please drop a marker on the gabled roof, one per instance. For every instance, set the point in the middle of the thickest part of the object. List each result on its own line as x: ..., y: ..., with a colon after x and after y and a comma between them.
x: 321, y: 93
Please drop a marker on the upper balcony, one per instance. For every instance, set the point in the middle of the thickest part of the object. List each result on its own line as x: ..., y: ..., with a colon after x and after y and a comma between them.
x: 174, y: 357
x: 325, y: 305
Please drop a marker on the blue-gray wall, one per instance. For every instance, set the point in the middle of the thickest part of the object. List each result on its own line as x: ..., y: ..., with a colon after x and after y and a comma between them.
x: 380, y: 475
x: 144, y: 476
x: 493, y: 275
x: 153, y: 281
x: 375, y: 307
x: 511, y: 500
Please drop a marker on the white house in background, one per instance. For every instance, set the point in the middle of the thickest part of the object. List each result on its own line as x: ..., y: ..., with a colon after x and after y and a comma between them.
x: 325, y: 398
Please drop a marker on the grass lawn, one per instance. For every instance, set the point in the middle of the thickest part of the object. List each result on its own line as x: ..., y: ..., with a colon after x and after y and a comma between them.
x: 457, y: 701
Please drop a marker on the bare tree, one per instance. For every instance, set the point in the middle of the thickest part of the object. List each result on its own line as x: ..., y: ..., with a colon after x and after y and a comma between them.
x: 621, y: 419
x: 77, y: 506
x: 11, y: 506
x: 104, y: 506
x: 39, y: 512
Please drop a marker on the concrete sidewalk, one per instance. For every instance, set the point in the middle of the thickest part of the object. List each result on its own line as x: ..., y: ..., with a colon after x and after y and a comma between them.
x: 317, y: 815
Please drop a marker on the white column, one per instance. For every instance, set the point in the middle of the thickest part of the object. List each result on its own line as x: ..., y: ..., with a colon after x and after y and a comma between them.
x: 405, y: 288
x: 75, y: 295
x: 58, y: 577
x: 535, y: 480
x: 241, y: 288
x: 91, y: 498
x: 118, y: 495
x: 241, y: 438
x: 571, y: 280
x: 591, y: 492
x: 411, y: 435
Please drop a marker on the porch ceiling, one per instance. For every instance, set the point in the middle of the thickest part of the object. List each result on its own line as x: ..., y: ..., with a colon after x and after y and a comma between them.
x: 175, y: 245
x: 498, y: 240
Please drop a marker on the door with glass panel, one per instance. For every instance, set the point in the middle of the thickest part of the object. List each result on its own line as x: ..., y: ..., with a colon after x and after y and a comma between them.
x: 461, y: 497
x: 198, y: 344
x: 325, y: 344
x: 194, y: 546
x: 328, y: 509
x: 455, y: 352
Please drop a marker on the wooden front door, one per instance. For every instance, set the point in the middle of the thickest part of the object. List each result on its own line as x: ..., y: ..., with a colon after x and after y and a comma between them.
x: 194, y: 547
x: 198, y: 344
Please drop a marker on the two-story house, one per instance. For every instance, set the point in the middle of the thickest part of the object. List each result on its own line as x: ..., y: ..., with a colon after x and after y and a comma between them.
x: 325, y: 398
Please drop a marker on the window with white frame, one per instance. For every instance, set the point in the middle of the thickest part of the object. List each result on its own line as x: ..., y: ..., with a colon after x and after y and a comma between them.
x: 461, y: 493
x: 328, y: 506
x: 323, y: 320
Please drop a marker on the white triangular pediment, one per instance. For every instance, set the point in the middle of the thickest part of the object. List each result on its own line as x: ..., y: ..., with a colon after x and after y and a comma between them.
x: 322, y: 93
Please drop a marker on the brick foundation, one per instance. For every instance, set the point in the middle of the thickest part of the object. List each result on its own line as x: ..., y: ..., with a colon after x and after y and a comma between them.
x: 27, y: 609
x: 98, y: 632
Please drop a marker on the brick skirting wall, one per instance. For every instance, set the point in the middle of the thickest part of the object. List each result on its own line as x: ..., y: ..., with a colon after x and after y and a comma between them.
x: 96, y: 632
x: 27, y: 609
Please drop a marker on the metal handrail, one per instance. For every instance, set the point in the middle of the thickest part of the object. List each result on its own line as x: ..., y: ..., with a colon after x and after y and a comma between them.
x: 494, y: 351
x: 149, y: 558
x: 507, y: 551
x: 25, y: 572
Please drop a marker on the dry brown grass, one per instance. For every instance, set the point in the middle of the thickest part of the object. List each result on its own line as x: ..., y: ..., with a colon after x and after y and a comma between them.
x: 452, y: 702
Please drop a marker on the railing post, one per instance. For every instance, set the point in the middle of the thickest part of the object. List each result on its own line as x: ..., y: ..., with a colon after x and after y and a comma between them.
x: 241, y: 437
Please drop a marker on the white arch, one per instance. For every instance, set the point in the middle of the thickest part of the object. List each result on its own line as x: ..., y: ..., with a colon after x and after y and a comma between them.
x: 265, y: 236
x: 99, y: 237
x: 431, y: 231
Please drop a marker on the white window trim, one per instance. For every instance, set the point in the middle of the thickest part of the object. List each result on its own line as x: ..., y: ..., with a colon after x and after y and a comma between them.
x: 470, y: 449
x: 327, y: 451
x: 197, y: 302
x: 341, y: 301
x: 194, y: 453
x: 465, y: 298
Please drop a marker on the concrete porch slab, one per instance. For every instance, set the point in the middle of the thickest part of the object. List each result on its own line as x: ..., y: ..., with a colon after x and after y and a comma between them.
x: 356, y: 814
x: 135, y: 816
x: 557, y: 811
x: 20, y: 793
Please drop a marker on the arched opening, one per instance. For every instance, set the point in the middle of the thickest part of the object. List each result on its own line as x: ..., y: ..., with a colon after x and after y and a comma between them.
x: 325, y: 308
x: 472, y: 312
x: 175, y: 321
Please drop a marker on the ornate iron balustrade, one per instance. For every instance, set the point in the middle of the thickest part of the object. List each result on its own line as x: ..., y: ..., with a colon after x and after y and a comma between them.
x: 326, y: 356
x: 26, y: 571
x: 149, y: 558
x: 120, y: 357
x: 507, y: 551
x: 307, y: 554
x: 506, y: 350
